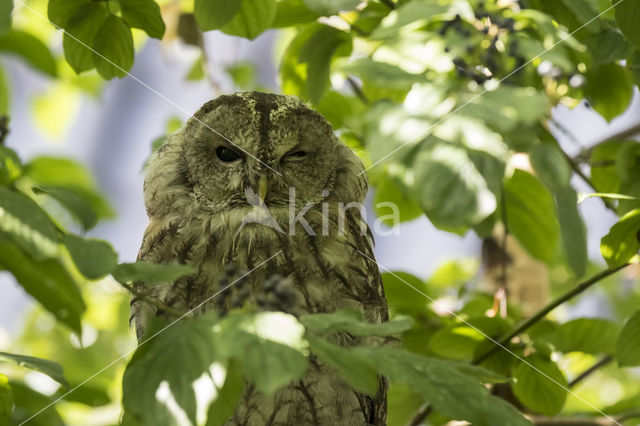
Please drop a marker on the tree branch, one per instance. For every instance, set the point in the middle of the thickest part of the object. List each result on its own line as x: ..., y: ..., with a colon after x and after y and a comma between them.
x: 586, y: 373
x: 624, y: 134
x: 501, y: 343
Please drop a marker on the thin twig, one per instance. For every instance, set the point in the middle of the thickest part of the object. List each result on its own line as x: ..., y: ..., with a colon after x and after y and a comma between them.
x: 544, y: 311
x: 586, y: 373
x: 150, y: 300
x: 624, y: 134
x: 4, y: 128
x: 576, y: 168
x: 420, y: 415
x: 357, y: 90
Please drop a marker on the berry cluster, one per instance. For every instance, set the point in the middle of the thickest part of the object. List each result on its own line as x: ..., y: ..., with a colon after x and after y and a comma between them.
x: 483, y: 61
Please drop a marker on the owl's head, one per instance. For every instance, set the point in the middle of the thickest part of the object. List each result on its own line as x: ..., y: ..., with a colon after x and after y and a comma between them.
x: 252, y: 143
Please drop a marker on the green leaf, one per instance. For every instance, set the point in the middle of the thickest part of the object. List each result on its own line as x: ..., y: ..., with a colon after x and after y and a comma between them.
x: 458, y: 342
x: 609, y: 89
x: 531, y: 215
x: 353, y: 323
x: 48, y: 282
x: 80, y: 33
x: 607, y: 46
x: 89, y: 395
x: 29, y: 48
x: 331, y: 7
x: 214, y: 14
x: 550, y: 166
x: 113, y: 44
x: 628, y: 345
x: 293, y: 13
x: 143, y: 14
x: 588, y: 335
x: 438, y: 382
x: 572, y: 230
x: 150, y: 273
x: 540, y: 386
x: 507, y: 107
x: 72, y: 185
x: 243, y: 74
x: 271, y: 365
x: 6, y: 6
x: 197, y: 70
x: 222, y: 408
x: 603, y: 167
x: 27, y: 224
x: 10, y: 166
x: 382, y: 74
x: 402, y: 291
x: 6, y: 401
x: 28, y: 407
x: 79, y: 207
x: 623, y: 240
x: 442, y: 170
x: 165, y: 368
x: 317, y: 52
x: 628, y: 16
x: 389, y: 199
x: 50, y: 368
x: 254, y: 17
x: 94, y: 258
x: 356, y: 370
x: 60, y: 11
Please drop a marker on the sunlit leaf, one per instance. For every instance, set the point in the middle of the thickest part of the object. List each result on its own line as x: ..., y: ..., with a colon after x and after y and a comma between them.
x: 390, y: 199
x: 381, y: 73
x: 353, y: 323
x: 271, y: 365
x: 254, y: 17
x: 531, y: 215
x: 628, y: 345
x: 317, y: 52
x: 540, y: 385
x: 94, y: 258
x: 27, y: 224
x: 50, y: 368
x: 293, y: 12
x: 10, y: 165
x: 150, y: 273
x: 243, y: 74
x: 6, y: 401
x: 55, y: 109
x: 449, y: 186
x: 164, y: 369
x: 403, y: 292
x: 29, y: 48
x: 113, y: 44
x: 623, y: 240
x: 6, y: 6
x: 550, y: 166
x: 609, y: 89
x: 214, y: 14
x: 589, y: 335
x: 143, y: 14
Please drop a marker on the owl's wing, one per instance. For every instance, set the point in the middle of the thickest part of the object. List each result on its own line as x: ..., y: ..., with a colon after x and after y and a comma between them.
x: 162, y: 243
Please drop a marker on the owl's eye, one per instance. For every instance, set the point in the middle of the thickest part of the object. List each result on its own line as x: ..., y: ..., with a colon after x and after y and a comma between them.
x: 227, y: 155
x: 296, y: 155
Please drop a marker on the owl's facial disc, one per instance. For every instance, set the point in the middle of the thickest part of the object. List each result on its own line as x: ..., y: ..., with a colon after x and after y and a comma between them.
x: 263, y: 135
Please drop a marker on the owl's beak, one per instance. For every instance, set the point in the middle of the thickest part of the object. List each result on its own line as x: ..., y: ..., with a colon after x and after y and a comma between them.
x: 262, y: 187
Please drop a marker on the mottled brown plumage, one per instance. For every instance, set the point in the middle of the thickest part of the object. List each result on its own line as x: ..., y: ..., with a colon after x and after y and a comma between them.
x: 198, y: 207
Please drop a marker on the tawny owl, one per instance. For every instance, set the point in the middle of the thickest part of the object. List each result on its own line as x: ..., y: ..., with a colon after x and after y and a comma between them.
x: 253, y: 175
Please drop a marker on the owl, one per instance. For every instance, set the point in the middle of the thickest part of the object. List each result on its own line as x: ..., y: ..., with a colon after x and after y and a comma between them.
x: 257, y: 185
